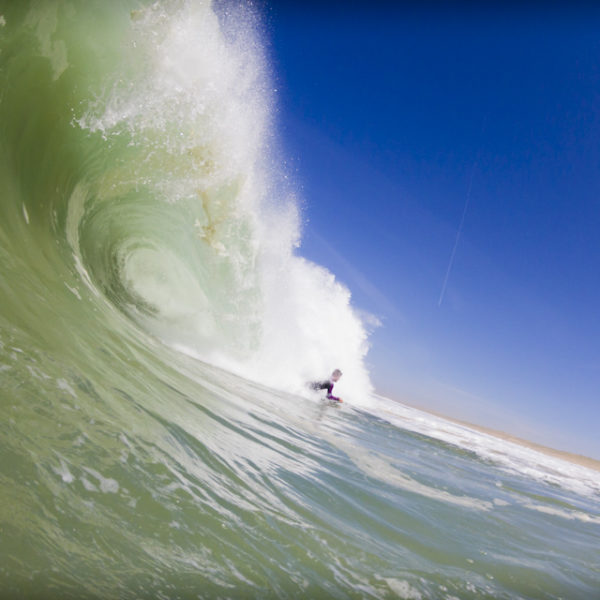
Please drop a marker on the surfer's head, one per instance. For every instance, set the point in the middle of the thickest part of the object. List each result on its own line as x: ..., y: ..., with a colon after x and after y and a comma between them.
x: 336, y: 375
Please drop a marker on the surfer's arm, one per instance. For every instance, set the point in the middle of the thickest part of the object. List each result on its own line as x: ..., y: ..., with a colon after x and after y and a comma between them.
x: 330, y: 396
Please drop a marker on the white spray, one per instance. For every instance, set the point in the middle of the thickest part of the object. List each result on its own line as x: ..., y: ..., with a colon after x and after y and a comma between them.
x: 228, y: 287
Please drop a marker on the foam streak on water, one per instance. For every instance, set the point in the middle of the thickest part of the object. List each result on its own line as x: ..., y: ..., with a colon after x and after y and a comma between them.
x: 511, y: 456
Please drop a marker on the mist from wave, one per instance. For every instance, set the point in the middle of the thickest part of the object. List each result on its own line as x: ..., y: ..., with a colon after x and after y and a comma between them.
x: 162, y: 172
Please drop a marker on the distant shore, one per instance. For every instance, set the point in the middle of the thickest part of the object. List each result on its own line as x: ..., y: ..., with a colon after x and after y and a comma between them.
x: 577, y: 459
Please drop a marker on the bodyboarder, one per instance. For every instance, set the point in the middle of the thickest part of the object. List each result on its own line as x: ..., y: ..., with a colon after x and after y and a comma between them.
x: 328, y: 384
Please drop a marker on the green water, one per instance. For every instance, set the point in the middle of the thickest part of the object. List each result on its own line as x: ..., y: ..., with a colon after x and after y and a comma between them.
x: 132, y: 219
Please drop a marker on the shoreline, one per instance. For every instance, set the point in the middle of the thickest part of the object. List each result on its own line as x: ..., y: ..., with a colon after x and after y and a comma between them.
x: 577, y: 459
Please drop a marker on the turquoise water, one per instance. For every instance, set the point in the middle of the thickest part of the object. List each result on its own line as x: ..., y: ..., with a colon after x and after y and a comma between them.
x: 152, y: 304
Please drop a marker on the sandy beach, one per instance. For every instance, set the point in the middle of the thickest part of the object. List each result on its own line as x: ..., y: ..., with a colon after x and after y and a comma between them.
x: 577, y: 459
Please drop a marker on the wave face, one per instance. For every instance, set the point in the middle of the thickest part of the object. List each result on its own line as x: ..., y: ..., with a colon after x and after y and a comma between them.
x: 148, y: 134
x: 145, y: 223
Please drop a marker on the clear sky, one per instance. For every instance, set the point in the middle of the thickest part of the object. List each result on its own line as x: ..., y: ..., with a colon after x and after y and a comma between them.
x: 449, y: 166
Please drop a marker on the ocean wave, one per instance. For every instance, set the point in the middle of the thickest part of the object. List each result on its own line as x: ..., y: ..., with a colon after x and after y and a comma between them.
x: 151, y: 136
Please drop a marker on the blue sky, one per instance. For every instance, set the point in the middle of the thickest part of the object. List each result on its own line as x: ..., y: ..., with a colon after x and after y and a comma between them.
x: 392, y: 120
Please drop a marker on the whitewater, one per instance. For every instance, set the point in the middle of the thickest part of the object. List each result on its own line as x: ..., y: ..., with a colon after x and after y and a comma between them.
x: 158, y: 324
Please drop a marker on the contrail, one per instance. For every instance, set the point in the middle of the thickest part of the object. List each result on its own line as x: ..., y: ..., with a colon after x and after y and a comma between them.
x: 464, y: 213
x: 458, y: 233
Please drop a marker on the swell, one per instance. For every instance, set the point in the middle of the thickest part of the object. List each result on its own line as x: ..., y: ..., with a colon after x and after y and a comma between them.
x: 138, y: 146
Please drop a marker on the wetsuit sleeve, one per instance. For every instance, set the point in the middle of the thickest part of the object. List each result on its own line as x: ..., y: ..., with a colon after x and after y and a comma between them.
x: 322, y: 385
x: 330, y: 396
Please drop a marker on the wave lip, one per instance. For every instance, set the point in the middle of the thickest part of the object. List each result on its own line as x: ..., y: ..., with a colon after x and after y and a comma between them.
x: 163, y: 181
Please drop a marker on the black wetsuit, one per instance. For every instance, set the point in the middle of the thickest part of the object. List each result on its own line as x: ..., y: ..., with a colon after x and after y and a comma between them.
x: 324, y: 385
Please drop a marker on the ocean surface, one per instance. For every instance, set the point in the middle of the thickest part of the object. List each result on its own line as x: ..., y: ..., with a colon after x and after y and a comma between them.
x: 157, y: 328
